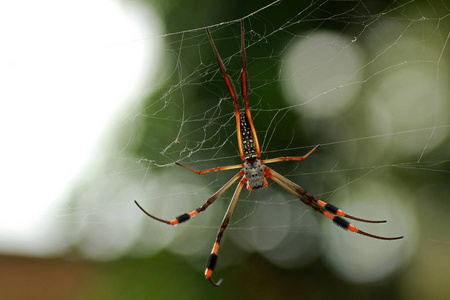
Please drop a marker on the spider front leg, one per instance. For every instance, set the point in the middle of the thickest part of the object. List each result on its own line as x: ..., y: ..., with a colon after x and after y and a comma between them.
x: 212, y: 260
x: 184, y: 217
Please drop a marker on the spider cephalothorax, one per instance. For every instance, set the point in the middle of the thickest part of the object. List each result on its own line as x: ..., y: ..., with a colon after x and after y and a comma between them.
x: 254, y: 172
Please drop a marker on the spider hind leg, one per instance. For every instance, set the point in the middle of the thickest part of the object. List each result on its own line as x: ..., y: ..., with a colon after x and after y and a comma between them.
x: 344, y: 224
x: 336, y: 211
x: 328, y: 210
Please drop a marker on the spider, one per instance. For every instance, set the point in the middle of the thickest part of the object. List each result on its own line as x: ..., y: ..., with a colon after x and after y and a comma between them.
x: 254, y: 171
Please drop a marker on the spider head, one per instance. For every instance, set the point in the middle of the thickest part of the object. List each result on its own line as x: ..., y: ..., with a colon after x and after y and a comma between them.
x: 254, y: 172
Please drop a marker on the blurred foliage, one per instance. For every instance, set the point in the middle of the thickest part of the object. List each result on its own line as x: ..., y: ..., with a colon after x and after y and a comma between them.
x: 167, y: 276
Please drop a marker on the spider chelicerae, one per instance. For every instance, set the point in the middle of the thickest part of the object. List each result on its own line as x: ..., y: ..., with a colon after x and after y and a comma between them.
x: 254, y: 171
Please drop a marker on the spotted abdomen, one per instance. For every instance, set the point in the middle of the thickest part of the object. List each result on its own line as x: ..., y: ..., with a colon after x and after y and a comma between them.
x: 248, y: 141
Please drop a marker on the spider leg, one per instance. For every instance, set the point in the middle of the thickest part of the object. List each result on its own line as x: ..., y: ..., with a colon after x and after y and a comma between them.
x: 328, y: 210
x: 247, y: 138
x: 212, y: 260
x: 213, y: 169
x: 231, y: 91
x: 288, y: 158
x: 329, y: 207
x: 184, y: 217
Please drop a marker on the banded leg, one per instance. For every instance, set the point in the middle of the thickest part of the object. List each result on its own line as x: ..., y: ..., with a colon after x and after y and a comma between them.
x: 328, y: 210
x: 288, y: 158
x: 329, y: 207
x: 184, y: 217
x: 212, y: 260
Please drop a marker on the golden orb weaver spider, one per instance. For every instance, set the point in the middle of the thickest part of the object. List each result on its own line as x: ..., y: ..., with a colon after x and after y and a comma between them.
x: 254, y: 171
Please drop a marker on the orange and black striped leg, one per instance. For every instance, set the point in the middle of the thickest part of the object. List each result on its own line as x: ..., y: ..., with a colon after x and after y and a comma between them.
x: 333, y: 213
x: 288, y: 158
x: 212, y: 260
x: 343, y: 223
x: 184, y: 217
x: 211, y: 170
x: 336, y: 211
x: 329, y: 207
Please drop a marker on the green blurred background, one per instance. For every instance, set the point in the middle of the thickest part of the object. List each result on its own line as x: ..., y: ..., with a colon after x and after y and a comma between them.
x: 366, y: 80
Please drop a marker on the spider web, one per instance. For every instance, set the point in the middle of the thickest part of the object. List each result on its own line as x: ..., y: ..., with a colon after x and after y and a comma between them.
x: 367, y: 83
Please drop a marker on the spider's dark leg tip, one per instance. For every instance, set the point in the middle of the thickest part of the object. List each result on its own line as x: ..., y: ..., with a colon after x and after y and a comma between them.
x: 219, y: 282
x: 141, y: 208
x: 215, y: 284
x: 210, y: 265
x: 388, y: 238
x: 371, y: 221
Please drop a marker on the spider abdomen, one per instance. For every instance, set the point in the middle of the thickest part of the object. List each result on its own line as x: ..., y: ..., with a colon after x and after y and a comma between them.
x: 248, y: 141
x: 254, y: 172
